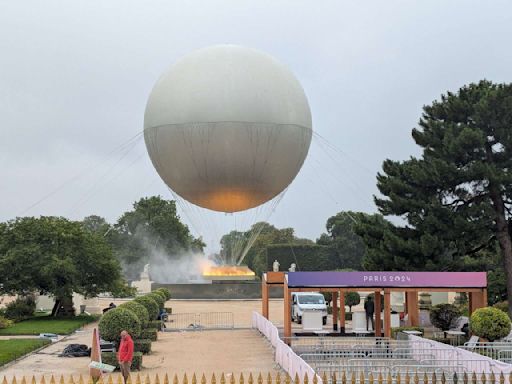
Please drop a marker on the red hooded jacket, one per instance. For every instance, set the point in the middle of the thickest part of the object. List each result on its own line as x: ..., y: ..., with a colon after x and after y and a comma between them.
x: 126, y: 349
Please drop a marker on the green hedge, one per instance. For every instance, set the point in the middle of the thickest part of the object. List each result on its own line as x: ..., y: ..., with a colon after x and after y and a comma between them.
x: 116, y: 320
x: 111, y: 359
x: 155, y: 324
x: 166, y: 292
x: 149, y: 333
x: 395, y: 330
x: 150, y: 305
x: 159, y: 299
x: 490, y: 323
x: 142, y: 345
x: 140, y: 311
x: 161, y: 294
x: 307, y: 257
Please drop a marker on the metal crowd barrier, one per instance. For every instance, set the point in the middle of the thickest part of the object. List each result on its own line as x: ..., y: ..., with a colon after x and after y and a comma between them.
x: 496, y: 350
x: 199, y: 321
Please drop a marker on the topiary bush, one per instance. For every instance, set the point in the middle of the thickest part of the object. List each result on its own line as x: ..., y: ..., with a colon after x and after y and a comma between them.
x: 111, y: 359
x: 444, y: 316
x: 142, y: 345
x: 158, y: 298
x: 139, y: 310
x: 490, y: 323
x: 502, y: 306
x: 116, y: 320
x: 149, y: 333
x: 351, y: 299
x: 155, y: 324
x: 150, y: 304
x: 21, y: 309
x: 166, y: 292
x: 163, y: 295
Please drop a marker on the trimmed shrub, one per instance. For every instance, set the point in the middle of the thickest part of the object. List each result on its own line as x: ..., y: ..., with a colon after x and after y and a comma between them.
x: 502, y: 306
x: 166, y: 292
x: 155, y: 324
x: 351, y: 299
x: 163, y: 295
x: 139, y: 310
x: 158, y: 299
x: 116, y: 320
x: 394, y: 331
x: 20, y: 309
x: 4, y: 322
x: 150, y: 304
x: 142, y: 345
x: 149, y: 333
x: 444, y: 316
x: 111, y: 359
x: 490, y: 323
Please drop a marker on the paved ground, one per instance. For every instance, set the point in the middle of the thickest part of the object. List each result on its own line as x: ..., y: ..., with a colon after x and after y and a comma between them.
x: 237, y: 351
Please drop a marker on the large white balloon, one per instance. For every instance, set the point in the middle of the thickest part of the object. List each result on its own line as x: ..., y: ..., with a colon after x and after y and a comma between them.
x: 227, y: 128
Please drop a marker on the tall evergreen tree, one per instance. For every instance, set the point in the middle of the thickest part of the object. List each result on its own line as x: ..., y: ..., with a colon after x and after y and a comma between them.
x: 456, y: 199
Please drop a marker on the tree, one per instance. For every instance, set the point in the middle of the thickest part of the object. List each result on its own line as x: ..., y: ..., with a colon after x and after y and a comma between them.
x: 96, y: 224
x: 351, y: 299
x: 152, y: 227
x: 256, y: 257
x: 341, y: 235
x: 457, y: 198
x: 55, y: 256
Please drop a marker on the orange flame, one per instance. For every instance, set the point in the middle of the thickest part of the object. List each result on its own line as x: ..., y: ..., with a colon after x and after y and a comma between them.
x: 227, y: 270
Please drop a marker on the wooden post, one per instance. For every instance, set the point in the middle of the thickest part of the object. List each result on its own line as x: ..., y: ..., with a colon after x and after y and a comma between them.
x: 342, y: 311
x: 476, y: 300
x: 287, y: 313
x: 378, y: 310
x: 264, y: 296
x: 484, y: 293
x: 335, y: 310
x: 387, y: 313
x: 413, y: 310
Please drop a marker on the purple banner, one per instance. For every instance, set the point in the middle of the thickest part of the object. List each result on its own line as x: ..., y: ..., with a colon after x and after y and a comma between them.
x: 388, y: 279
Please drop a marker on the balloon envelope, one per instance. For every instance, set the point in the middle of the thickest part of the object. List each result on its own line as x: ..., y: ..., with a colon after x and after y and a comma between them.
x: 227, y: 128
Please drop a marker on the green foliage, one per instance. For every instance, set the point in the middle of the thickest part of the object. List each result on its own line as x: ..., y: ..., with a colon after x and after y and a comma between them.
x: 20, y: 309
x: 13, y: 349
x: 110, y: 358
x: 149, y: 333
x: 161, y: 294
x: 5, y: 322
x: 396, y: 330
x: 158, y: 298
x: 351, y: 299
x: 142, y: 345
x: 166, y: 293
x: 444, y: 316
x: 53, y: 255
x: 150, y: 304
x: 256, y: 257
x: 152, y: 224
x: 48, y: 324
x: 116, y: 320
x: 454, y: 199
x: 307, y: 257
x: 502, y: 306
x: 490, y: 323
x: 341, y: 236
x: 140, y: 311
x: 155, y: 324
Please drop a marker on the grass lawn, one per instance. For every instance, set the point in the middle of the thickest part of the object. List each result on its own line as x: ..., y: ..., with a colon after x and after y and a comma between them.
x: 47, y: 324
x: 14, y: 348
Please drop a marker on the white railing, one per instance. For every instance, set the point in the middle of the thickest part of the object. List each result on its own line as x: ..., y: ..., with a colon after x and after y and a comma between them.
x: 284, y: 355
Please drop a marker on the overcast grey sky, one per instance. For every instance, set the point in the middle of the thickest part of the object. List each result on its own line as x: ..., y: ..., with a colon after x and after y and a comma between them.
x: 75, y: 76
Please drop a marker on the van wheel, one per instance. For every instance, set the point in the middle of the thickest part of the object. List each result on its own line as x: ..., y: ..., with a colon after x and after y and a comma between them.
x: 299, y: 319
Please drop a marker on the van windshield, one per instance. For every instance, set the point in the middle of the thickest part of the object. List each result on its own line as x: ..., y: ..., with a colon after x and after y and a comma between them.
x: 311, y: 299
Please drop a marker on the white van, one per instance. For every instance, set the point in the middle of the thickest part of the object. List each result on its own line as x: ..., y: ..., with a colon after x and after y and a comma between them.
x: 313, y: 301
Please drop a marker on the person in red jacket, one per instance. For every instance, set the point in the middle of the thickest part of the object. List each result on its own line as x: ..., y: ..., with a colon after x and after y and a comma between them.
x: 125, y: 354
